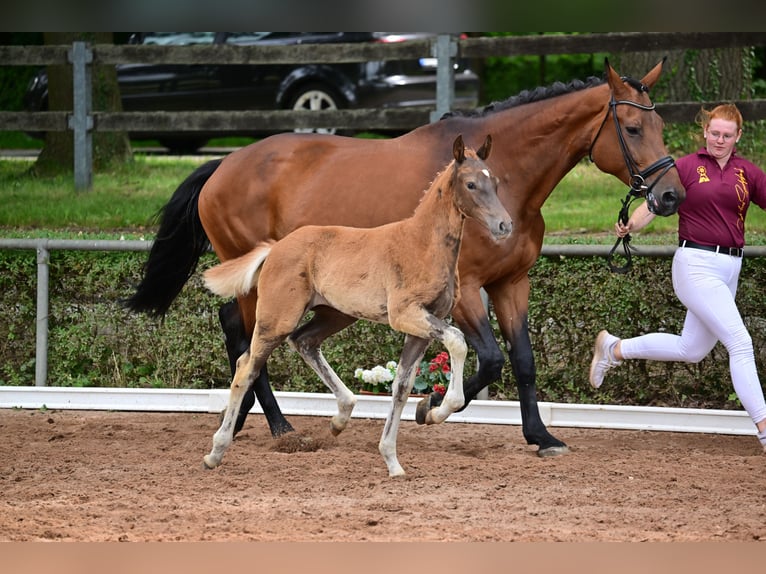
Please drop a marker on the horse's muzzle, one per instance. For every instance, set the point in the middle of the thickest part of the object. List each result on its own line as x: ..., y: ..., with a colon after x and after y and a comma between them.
x: 665, y: 204
x: 502, y: 229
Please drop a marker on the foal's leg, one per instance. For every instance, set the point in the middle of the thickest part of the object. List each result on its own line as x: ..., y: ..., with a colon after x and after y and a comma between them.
x: 248, y: 366
x: 237, y: 342
x: 419, y: 323
x: 452, y: 339
x: 306, y: 341
x: 412, y: 353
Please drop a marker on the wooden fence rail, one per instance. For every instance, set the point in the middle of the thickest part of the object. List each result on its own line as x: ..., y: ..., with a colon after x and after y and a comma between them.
x: 83, y: 124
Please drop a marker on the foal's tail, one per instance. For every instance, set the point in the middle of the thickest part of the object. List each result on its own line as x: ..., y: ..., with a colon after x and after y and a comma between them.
x: 179, y: 244
x: 237, y: 276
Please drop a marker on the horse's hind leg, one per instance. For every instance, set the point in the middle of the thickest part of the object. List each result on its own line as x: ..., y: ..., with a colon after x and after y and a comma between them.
x: 248, y: 366
x: 412, y: 353
x: 306, y: 340
x: 237, y: 342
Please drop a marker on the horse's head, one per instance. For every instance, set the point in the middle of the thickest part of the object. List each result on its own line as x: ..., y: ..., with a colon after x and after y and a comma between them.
x: 475, y: 188
x: 632, y: 147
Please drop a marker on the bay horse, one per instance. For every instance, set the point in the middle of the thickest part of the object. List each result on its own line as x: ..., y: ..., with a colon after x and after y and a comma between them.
x: 267, y: 189
x: 402, y: 274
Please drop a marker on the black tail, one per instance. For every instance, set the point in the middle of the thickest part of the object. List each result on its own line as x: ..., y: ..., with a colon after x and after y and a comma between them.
x: 179, y: 244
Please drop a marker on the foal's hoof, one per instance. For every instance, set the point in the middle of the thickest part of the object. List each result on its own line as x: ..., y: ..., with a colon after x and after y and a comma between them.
x: 426, y: 404
x: 209, y: 462
x: 552, y: 451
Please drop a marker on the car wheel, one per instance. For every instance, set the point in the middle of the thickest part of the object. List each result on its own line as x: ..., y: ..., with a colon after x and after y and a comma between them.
x: 314, y: 97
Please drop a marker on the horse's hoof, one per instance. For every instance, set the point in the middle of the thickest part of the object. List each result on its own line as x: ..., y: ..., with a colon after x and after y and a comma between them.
x: 334, y: 429
x: 281, y: 431
x: 425, y: 405
x: 208, y: 462
x: 553, y: 451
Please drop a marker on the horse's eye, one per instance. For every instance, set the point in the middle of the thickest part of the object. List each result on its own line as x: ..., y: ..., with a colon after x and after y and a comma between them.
x: 471, y: 185
x: 633, y: 130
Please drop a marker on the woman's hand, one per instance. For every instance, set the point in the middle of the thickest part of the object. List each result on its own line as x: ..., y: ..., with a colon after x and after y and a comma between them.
x: 622, y: 229
x: 640, y: 218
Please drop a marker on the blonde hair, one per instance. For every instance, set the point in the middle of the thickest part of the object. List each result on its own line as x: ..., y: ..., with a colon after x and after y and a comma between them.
x: 728, y: 112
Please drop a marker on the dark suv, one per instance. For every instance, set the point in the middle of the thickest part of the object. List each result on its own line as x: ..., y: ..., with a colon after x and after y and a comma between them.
x: 171, y: 87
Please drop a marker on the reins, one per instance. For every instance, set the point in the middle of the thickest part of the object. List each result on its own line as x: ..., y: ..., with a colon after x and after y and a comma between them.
x: 638, y: 187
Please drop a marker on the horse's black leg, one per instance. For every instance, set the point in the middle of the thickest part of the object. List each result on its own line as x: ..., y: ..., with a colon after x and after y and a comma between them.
x: 479, y: 335
x: 237, y: 342
x: 523, y: 365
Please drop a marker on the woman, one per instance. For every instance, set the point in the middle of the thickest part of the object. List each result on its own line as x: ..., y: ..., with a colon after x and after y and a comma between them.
x: 720, y: 186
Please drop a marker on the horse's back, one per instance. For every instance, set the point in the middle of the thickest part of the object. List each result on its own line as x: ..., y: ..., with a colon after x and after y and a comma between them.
x: 269, y: 188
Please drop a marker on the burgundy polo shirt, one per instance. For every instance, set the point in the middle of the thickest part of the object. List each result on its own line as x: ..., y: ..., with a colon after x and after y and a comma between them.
x: 717, y: 200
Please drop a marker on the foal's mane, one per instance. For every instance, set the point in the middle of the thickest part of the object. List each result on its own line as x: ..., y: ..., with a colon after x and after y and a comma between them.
x: 446, y: 173
x: 529, y: 96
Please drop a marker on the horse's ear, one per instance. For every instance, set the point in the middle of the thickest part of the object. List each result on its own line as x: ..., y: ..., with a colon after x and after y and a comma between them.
x: 483, y: 151
x: 612, y: 77
x: 654, y: 74
x: 458, y: 149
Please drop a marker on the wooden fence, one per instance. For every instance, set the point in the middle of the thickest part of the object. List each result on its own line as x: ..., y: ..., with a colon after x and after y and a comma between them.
x: 83, y: 121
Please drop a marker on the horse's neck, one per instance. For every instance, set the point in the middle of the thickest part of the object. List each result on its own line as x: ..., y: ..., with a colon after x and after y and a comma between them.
x: 438, y: 218
x: 535, y: 145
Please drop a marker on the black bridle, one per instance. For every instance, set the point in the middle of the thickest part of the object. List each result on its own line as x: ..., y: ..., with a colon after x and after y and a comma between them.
x: 638, y: 187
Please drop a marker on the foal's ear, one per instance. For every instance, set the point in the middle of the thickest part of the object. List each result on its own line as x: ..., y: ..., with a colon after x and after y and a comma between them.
x: 458, y: 149
x: 483, y: 151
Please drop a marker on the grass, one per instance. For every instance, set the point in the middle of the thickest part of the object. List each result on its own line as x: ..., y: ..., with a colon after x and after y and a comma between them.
x: 582, y: 209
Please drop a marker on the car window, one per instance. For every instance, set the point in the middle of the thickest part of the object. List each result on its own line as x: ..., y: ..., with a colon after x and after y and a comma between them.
x: 247, y: 37
x: 178, y: 39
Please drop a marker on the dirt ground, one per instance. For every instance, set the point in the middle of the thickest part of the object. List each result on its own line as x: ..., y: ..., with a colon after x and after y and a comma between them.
x: 117, y: 476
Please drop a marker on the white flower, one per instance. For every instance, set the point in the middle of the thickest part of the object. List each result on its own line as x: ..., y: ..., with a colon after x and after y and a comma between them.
x: 380, y: 374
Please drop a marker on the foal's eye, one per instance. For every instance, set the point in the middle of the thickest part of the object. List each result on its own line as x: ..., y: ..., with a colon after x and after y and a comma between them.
x: 471, y: 185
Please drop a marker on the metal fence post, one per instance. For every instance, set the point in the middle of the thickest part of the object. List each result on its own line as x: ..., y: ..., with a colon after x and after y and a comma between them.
x: 41, y: 334
x: 445, y: 51
x: 81, y: 121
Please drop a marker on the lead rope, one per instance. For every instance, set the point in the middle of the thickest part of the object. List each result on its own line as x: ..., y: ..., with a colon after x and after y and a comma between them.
x: 623, y: 217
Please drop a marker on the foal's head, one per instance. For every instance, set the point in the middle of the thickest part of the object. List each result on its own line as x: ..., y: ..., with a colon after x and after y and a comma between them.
x: 475, y: 188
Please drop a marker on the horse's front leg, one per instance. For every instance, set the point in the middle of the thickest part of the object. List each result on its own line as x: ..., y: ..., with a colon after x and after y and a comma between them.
x: 237, y: 342
x: 454, y: 399
x: 412, y: 353
x: 471, y: 318
x: 511, y: 308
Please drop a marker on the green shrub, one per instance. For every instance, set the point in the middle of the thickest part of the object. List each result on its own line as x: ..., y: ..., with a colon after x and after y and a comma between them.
x: 93, y: 341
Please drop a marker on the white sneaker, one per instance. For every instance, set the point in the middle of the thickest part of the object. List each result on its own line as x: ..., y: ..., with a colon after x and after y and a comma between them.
x: 762, y: 438
x: 602, y: 358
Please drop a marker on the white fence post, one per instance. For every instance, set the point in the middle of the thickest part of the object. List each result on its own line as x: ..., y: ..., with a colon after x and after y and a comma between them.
x: 41, y: 332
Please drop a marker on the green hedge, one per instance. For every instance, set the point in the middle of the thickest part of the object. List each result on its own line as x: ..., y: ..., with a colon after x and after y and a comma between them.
x: 95, y: 342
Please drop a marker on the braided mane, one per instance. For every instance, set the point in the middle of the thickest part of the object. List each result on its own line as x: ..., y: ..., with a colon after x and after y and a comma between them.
x: 529, y: 96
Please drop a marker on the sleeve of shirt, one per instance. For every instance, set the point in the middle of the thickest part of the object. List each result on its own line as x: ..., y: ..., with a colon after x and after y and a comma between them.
x: 757, y: 178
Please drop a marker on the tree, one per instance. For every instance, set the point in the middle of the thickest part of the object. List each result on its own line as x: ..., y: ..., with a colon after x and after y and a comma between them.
x: 696, y: 75
x: 109, y: 148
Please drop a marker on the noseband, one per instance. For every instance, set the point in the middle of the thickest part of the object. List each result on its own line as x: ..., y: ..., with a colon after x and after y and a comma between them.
x: 638, y: 187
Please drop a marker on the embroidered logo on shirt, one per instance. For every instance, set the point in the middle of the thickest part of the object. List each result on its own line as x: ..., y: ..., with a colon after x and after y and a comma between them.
x: 743, y: 196
x: 703, y: 174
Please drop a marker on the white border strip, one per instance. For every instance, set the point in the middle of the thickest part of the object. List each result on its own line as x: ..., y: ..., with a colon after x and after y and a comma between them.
x: 376, y: 407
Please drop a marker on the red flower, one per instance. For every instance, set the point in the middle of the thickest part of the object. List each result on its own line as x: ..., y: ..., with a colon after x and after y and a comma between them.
x: 439, y: 388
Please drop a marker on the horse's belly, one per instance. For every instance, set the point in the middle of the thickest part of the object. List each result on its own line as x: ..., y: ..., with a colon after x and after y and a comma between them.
x: 361, y: 305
